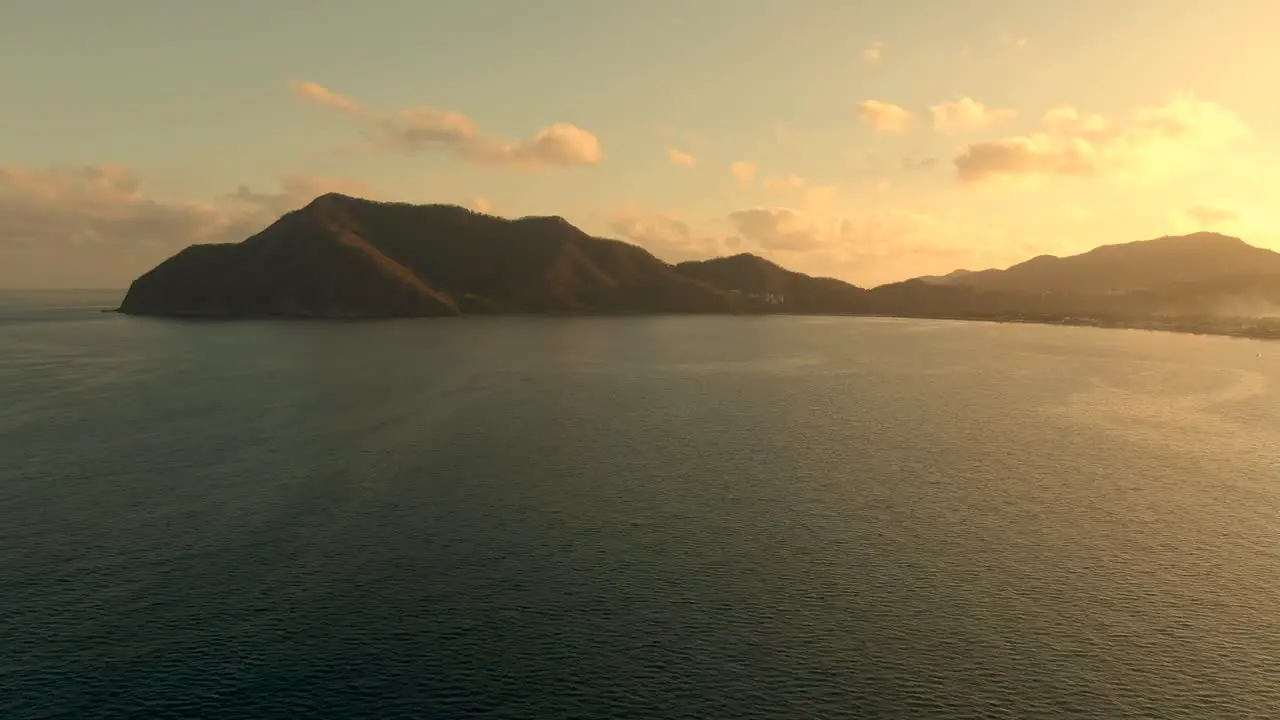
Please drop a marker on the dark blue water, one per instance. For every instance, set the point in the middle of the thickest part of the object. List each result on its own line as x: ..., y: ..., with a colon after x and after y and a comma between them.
x: 633, y: 518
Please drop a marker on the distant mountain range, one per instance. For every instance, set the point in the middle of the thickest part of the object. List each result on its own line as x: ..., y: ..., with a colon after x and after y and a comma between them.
x: 1143, y: 265
x: 1202, y: 275
x: 346, y: 257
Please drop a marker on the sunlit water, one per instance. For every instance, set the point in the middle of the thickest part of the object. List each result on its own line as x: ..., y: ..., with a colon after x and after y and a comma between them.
x: 633, y: 518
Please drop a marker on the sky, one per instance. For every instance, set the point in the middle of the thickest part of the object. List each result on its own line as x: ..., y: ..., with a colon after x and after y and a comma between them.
x: 870, y: 141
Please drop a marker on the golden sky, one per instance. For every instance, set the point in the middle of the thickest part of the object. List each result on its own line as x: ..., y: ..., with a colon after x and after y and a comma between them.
x: 866, y: 141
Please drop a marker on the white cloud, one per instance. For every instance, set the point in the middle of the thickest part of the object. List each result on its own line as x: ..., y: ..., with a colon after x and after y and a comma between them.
x: 874, y: 52
x: 884, y: 116
x: 967, y: 115
x: 414, y: 129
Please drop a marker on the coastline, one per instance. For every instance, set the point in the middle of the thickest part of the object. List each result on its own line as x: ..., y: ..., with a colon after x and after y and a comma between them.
x: 1242, y: 328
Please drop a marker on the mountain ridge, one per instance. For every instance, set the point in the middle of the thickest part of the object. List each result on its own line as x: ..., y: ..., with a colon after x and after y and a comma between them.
x: 340, y: 256
x: 1170, y: 258
x: 319, y: 261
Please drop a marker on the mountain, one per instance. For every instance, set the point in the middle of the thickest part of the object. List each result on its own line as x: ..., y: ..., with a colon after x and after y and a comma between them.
x: 306, y: 263
x: 1142, y: 265
x: 952, y: 278
x: 1198, y: 275
x: 754, y: 277
x: 346, y: 257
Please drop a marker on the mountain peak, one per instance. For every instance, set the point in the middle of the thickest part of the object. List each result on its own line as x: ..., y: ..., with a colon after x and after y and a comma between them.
x: 742, y: 258
x: 749, y: 257
x: 549, y: 220
x: 549, y: 226
x: 1204, y: 237
x: 332, y: 198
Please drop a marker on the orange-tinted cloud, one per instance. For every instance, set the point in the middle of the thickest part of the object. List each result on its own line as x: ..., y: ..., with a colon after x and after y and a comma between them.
x: 778, y: 228
x: 874, y: 52
x: 1015, y: 43
x: 94, y: 205
x: 321, y: 95
x: 744, y: 171
x: 680, y: 158
x: 926, y: 163
x: 1154, y: 140
x: 668, y: 237
x: 865, y: 248
x: 967, y: 115
x: 1212, y: 217
x: 809, y: 237
x: 69, y: 226
x: 1027, y: 155
x: 558, y: 145
x: 884, y: 116
x: 1067, y: 119
x: 820, y: 235
x: 294, y: 192
x: 414, y: 129
x: 786, y: 184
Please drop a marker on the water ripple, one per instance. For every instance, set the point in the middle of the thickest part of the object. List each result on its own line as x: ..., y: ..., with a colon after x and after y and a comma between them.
x: 684, y: 518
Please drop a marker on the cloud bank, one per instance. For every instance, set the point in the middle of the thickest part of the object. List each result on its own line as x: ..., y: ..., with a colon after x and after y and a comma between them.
x: 868, y: 248
x: 668, y: 237
x: 1153, y: 140
x: 94, y: 226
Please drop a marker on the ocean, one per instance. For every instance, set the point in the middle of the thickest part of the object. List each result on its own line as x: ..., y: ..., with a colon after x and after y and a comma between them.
x: 663, y: 517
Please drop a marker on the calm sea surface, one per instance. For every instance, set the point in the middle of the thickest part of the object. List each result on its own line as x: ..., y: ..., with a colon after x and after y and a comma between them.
x: 633, y: 518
